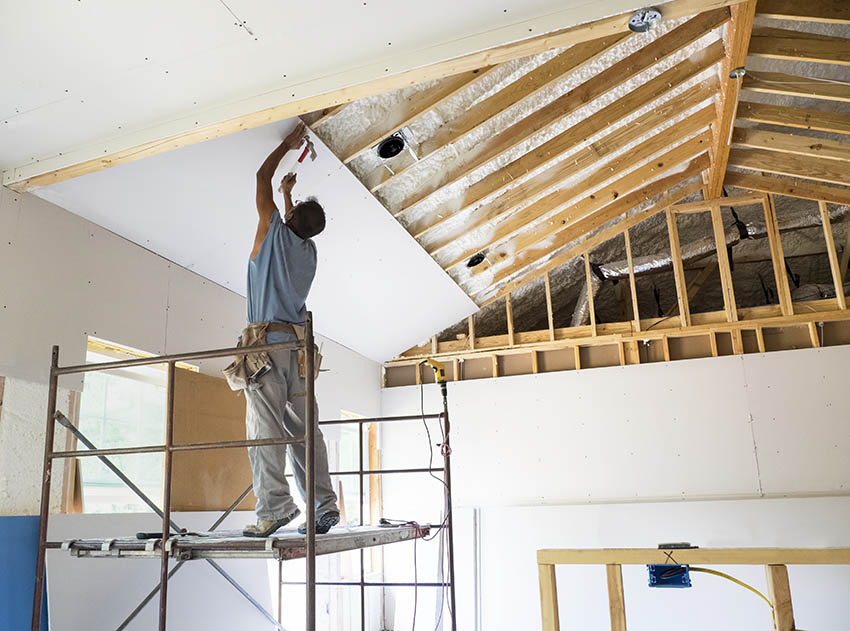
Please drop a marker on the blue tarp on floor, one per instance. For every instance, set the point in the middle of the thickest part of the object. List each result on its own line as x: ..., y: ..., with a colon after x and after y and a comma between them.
x: 18, y: 547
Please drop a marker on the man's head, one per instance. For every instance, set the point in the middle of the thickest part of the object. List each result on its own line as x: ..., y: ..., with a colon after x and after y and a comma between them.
x: 307, y: 218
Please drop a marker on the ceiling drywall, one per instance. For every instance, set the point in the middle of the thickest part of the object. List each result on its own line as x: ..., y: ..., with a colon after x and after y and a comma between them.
x: 376, y: 291
x: 91, y: 77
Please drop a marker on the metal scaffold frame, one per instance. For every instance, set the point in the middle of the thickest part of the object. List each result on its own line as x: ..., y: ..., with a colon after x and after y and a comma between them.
x: 166, y: 548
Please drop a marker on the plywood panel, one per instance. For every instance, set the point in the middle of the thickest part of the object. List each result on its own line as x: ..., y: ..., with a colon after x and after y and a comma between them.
x: 207, y: 410
x: 371, y: 273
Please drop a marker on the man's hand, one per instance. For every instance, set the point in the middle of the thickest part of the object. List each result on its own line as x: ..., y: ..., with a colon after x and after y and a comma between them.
x: 296, y: 136
x: 287, y: 183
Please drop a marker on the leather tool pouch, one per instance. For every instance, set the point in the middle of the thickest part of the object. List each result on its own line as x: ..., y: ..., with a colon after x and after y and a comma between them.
x: 302, y: 356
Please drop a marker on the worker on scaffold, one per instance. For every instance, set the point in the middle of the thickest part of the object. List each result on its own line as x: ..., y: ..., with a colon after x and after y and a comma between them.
x: 280, y: 273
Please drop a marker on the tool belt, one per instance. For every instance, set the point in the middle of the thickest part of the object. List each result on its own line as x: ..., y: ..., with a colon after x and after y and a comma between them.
x: 244, y: 370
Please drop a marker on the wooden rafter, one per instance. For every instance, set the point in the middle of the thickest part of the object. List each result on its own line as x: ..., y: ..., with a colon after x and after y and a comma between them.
x: 789, y: 188
x: 413, y: 108
x: 678, y: 269
x: 560, y: 232
x: 792, y: 85
x: 827, y: 11
x: 776, y: 43
x: 834, y: 265
x: 585, y: 189
x: 525, y: 87
x: 818, y: 169
x: 610, y: 115
x: 563, y: 106
x: 777, y: 256
x: 790, y: 143
x: 797, y: 117
x: 608, y: 213
x: 737, y: 41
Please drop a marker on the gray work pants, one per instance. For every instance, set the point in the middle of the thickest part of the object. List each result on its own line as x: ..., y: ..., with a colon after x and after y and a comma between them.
x: 267, y: 417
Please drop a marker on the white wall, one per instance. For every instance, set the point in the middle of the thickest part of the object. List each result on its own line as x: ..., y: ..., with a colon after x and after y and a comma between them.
x: 63, y: 278
x: 573, y: 459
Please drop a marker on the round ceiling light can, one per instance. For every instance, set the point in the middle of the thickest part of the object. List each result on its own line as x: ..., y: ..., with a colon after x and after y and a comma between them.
x: 645, y: 20
x: 390, y: 147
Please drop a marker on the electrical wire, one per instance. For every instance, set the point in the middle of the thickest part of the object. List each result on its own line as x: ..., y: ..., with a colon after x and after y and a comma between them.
x: 742, y: 584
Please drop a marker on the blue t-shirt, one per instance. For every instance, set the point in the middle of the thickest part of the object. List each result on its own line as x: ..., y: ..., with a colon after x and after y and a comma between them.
x: 279, y: 278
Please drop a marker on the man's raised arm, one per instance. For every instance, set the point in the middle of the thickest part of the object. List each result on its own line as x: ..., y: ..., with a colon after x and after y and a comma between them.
x: 265, y: 193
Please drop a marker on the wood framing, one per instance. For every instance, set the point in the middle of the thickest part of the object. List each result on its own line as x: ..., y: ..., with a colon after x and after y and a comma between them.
x: 777, y: 256
x: 818, y: 169
x: 792, y: 85
x: 632, y: 285
x: 795, y: 117
x: 588, y: 281
x: 779, y: 592
x: 616, y: 598
x: 826, y: 11
x: 789, y: 188
x: 834, y: 265
x: 737, y: 42
x: 776, y: 43
x: 678, y: 268
x: 549, y: 314
x: 792, y: 144
x: 729, y: 304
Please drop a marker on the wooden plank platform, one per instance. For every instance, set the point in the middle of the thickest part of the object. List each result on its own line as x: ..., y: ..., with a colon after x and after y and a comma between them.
x: 230, y: 544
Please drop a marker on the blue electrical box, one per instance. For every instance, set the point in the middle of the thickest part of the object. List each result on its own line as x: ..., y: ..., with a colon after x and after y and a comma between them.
x: 678, y: 576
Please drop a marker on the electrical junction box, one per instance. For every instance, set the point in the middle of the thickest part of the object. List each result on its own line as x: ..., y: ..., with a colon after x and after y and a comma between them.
x: 678, y: 576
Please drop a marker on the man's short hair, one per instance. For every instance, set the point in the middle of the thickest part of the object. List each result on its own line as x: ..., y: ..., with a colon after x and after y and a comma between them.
x: 308, y: 218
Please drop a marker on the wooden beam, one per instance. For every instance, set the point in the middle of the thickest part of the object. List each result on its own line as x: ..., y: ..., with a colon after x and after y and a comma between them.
x: 585, y: 191
x: 589, y: 284
x: 632, y: 285
x: 792, y: 85
x: 586, y: 215
x: 665, y: 347
x: 818, y: 169
x: 813, y: 334
x: 834, y: 265
x: 712, y: 340
x: 548, y: 598
x: 826, y: 11
x: 729, y: 304
x: 535, y: 367
x: 678, y: 269
x: 703, y: 206
x: 549, y: 314
x: 471, y: 323
x: 777, y: 43
x: 789, y: 188
x: 779, y: 592
x: 797, y: 117
x: 845, y: 254
x: 695, y: 285
x: 495, y: 366
x: 616, y: 598
x: 613, y: 211
x: 789, y: 143
x: 697, y: 556
x: 737, y: 41
x: 320, y: 117
x: 777, y: 256
x: 566, y: 104
x: 760, y: 339
x: 577, y: 356
x: 509, y: 314
x: 550, y: 151
x: 367, y: 81
x: 413, y: 108
x: 525, y: 87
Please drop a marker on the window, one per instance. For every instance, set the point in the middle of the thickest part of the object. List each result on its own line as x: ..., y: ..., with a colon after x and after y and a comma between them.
x: 122, y: 408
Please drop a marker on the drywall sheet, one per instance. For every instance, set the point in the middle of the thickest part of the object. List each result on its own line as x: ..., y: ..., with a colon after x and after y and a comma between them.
x: 675, y: 430
x: 17, y: 558
x: 94, y: 77
x: 800, y: 407
x: 376, y: 291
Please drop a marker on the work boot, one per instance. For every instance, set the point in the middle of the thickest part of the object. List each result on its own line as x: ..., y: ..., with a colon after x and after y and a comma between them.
x: 323, y: 523
x: 266, y: 527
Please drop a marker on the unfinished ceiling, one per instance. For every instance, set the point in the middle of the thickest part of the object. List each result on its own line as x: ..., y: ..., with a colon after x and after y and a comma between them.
x: 509, y: 169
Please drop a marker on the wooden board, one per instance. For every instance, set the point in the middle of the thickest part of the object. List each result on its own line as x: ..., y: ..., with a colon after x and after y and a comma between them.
x: 827, y: 11
x: 206, y: 410
x: 798, y: 117
x: 790, y: 188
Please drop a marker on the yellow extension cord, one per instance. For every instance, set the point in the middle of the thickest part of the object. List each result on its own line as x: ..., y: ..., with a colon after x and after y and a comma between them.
x: 742, y: 584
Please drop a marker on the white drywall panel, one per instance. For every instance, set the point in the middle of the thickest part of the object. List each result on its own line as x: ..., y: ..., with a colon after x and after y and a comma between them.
x: 511, y: 536
x: 96, y: 77
x: 800, y: 406
x: 376, y: 290
x: 650, y: 431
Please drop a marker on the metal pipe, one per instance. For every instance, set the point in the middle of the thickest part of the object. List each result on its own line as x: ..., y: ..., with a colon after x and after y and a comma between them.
x: 179, y: 357
x: 310, y: 472
x: 259, y: 442
x: 231, y: 508
x: 385, y: 419
x: 147, y: 599
x: 248, y: 596
x: 47, y: 465
x: 447, y: 456
x: 166, y: 496
x: 362, y: 555
x: 61, y: 418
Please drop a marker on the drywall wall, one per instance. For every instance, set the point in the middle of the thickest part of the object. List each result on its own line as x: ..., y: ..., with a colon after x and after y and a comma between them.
x: 195, y: 206
x: 574, y: 459
x: 183, y: 67
x: 62, y: 279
